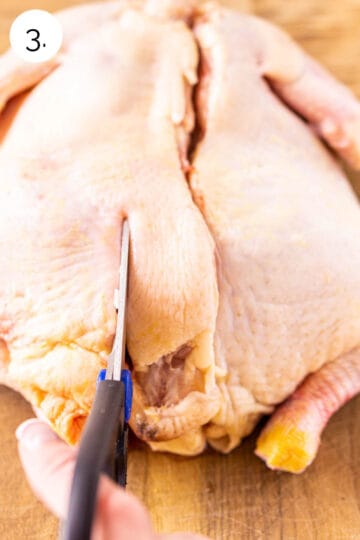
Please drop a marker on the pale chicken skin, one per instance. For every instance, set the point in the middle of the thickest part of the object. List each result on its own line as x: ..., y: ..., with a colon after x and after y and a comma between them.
x: 284, y: 219
x: 245, y: 248
x: 102, y: 147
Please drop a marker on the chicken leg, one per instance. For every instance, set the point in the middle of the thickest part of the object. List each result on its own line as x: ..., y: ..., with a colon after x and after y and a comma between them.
x: 291, y: 438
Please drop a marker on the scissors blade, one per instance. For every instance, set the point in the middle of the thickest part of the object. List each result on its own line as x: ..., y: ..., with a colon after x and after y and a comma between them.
x: 116, y: 361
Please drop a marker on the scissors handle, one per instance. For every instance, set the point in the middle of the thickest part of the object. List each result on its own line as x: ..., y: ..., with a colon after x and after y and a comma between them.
x: 101, y: 451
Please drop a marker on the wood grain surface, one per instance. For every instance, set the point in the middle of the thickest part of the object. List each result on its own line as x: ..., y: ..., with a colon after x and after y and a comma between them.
x: 235, y: 496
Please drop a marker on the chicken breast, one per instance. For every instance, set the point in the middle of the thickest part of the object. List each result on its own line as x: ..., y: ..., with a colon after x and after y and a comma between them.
x: 100, y: 138
x: 244, y: 284
x: 285, y: 223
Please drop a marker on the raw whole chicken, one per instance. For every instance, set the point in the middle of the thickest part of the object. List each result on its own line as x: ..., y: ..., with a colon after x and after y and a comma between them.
x: 200, y: 125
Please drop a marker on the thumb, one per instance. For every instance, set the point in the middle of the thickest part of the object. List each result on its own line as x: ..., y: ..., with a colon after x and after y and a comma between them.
x: 49, y: 465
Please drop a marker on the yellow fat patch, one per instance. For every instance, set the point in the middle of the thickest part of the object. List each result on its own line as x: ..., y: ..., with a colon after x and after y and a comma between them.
x: 285, y: 448
x: 189, y: 444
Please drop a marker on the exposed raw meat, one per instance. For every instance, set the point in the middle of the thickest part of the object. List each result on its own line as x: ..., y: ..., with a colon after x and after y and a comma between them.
x: 230, y: 307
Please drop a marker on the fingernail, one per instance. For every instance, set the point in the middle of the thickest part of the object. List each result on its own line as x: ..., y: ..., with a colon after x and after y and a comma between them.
x: 33, y: 434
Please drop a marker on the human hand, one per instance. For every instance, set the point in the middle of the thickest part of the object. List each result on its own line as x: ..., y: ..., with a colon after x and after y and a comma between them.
x: 49, y: 465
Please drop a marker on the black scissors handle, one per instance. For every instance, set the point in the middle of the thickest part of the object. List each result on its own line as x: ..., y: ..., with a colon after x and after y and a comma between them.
x: 102, y: 450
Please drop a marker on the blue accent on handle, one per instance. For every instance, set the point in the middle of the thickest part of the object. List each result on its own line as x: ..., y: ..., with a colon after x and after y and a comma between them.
x: 128, y: 387
x: 101, y: 376
x: 127, y: 382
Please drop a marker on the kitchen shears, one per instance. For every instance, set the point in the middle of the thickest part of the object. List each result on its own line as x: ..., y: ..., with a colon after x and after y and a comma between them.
x: 103, y: 446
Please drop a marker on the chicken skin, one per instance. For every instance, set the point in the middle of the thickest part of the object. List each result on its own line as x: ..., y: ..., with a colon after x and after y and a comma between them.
x: 107, y: 132
x: 244, y: 289
x: 284, y: 220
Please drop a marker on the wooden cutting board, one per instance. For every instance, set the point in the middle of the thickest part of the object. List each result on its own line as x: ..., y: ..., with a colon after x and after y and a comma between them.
x: 226, y: 497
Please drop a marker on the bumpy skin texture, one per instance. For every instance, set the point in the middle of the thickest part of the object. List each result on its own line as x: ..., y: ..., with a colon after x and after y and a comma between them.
x: 240, y: 286
x: 283, y: 216
x: 104, y: 128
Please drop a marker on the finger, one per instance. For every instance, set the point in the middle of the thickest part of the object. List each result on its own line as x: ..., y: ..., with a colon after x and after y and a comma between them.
x: 49, y: 465
x: 310, y: 90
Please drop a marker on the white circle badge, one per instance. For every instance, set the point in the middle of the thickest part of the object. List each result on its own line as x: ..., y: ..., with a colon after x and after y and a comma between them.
x: 36, y: 36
